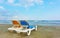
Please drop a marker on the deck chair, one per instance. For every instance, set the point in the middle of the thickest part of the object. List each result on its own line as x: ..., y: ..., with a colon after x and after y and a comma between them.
x: 28, y: 29
x: 16, y: 26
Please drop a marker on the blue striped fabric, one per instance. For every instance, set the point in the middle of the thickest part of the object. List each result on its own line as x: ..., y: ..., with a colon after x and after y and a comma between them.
x: 23, y: 22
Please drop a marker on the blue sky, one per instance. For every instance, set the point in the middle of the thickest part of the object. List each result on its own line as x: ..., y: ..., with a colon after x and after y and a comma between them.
x: 30, y: 9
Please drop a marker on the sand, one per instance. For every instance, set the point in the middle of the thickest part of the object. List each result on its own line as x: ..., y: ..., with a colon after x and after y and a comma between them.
x: 42, y: 32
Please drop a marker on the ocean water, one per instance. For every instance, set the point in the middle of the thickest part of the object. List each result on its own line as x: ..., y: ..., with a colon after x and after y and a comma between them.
x: 36, y: 22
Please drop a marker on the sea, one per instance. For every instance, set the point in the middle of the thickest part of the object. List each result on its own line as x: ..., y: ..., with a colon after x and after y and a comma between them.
x: 36, y: 22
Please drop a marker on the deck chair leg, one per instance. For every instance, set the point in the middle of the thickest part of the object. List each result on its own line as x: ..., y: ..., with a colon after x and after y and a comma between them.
x: 36, y: 28
x: 29, y: 32
x: 17, y: 32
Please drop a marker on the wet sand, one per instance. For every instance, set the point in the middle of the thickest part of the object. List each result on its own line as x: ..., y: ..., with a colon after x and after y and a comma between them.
x: 42, y: 32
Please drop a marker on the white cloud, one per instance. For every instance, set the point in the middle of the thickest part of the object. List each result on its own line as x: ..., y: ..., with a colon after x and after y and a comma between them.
x: 39, y: 1
x: 21, y: 17
x: 25, y: 3
x: 2, y: 17
x: 3, y: 10
x: 1, y: 7
x: 28, y: 3
x: 11, y: 1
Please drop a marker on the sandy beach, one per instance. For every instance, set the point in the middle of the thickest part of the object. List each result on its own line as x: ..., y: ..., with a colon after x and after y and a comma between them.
x: 42, y: 32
